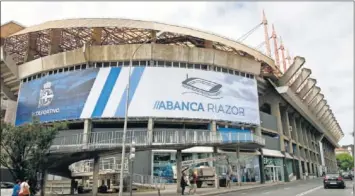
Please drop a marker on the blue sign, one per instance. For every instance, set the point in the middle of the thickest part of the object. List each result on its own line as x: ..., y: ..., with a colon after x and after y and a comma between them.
x: 55, y: 97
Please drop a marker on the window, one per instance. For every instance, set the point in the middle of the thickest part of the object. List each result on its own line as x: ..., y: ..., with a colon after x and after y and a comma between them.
x: 113, y: 64
x: 204, y: 67
x: 176, y: 64
x: 77, y: 67
x: 126, y: 63
x: 135, y: 63
x: 71, y: 68
x: 161, y: 63
x: 168, y: 64
x: 190, y: 66
x: 99, y: 65
x: 183, y: 65
x: 224, y: 70
x: 236, y: 73
x: 143, y: 63
x: 197, y: 66
x: 106, y: 64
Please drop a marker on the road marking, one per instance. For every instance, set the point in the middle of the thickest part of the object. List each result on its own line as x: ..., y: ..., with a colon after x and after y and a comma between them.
x: 244, y: 193
x: 266, y: 193
x: 286, y: 188
x: 309, y: 191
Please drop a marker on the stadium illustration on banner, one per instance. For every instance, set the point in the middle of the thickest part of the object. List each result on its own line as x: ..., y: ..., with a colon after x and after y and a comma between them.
x: 154, y: 92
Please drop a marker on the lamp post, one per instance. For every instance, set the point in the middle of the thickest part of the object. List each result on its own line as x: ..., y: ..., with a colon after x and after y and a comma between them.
x: 126, y: 115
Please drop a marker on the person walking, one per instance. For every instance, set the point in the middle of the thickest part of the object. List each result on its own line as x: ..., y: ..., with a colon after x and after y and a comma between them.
x: 193, y: 183
x: 16, y: 190
x: 183, y: 183
x: 24, y: 188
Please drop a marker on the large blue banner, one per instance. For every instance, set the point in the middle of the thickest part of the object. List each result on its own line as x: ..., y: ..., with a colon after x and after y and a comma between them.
x: 55, y: 97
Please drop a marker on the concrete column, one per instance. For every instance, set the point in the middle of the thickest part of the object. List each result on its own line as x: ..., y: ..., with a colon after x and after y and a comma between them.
x: 261, y: 166
x: 299, y: 131
x: 72, y: 184
x: 286, y: 174
x: 216, y: 179
x: 150, y: 130
x: 275, y: 111
x: 31, y: 49
x: 87, y: 132
x: 258, y: 131
x: 95, y: 177
x: 55, y: 36
x: 178, y: 170
x: 286, y: 123
x: 239, y: 177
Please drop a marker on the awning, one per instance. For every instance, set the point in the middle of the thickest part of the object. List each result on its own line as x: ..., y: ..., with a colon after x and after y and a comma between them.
x: 288, y: 156
x: 272, y: 153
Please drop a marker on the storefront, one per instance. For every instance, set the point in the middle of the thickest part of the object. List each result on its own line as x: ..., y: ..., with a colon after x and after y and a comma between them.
x: 164, y: 164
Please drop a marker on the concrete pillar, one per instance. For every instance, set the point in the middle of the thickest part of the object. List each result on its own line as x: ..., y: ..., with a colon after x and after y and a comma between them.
x: 55, y: 37
x: 87, y: 132
x: 31, y: 49
x: 95, y: 176
x: 178, y: 170
x: 150, y: 130
x: 286, y: 123
x: 72, y: 185
x: 239, y: 177
x: 258, y: 131
x: 261, y: 165
x: 286, y: 174
x: 213, y: 128
x: 96, y: 35
x: 275, y: 111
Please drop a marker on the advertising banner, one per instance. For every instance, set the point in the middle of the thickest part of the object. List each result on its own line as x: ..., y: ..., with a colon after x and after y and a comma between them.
x: 154, y: 92
x: 55, y: 97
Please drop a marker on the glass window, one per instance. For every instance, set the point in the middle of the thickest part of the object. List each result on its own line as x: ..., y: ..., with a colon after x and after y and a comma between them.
x: 135, y: 63
x: 113, y: 64
x: 77, y: 67
x: 168, y: 64
x: 190, y: 66
x: 183, y: 65
x: 204, y: 67
x: 143, y: 63
x: 176, y: 64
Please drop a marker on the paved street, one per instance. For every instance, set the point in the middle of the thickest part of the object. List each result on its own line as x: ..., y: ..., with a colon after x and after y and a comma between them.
x: 299, y: 188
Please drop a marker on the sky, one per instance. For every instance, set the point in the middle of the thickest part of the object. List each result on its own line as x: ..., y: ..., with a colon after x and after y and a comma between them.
x: 322, y: 32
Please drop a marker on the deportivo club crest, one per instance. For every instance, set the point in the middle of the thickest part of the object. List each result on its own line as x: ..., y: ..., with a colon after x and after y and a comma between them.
x: 46, y: 95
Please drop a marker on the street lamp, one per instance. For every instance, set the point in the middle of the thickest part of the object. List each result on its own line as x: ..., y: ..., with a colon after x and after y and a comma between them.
x: 126, y: 114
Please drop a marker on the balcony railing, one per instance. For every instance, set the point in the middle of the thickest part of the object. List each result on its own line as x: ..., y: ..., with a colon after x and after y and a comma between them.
x: 155, y: 139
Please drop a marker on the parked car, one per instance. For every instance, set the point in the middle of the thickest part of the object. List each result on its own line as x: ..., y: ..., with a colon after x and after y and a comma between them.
x: 348, y: 175
x: 333, y: 180
x: 6, y: 188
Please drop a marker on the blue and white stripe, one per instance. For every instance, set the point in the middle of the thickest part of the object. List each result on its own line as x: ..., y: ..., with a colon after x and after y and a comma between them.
x: 107, y: 97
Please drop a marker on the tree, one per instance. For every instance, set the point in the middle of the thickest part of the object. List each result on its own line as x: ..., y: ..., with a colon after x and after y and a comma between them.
x: 25, y: 149
x: 345, y: 161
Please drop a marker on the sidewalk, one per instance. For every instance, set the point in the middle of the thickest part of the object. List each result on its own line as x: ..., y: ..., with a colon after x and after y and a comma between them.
x: 171, y: 191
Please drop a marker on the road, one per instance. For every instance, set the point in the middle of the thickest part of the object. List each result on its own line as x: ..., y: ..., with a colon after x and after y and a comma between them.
x: 299, y: 188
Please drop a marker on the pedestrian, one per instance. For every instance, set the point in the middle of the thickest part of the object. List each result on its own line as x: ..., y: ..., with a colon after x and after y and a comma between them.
x: 228, y: 180
x: 183, y: 183
x: 193, y: 183
x: 24, y: 188
x: 16, y: 189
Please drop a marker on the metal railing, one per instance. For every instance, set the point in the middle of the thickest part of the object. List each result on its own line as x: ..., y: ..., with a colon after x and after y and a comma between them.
x: 157, y: 138
x: 106, y: 165
x: 148, y: 180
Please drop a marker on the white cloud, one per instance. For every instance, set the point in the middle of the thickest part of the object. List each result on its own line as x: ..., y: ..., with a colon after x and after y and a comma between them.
x: 321, y: 32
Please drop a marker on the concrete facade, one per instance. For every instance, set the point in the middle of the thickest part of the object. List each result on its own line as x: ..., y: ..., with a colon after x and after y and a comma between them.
x: 295, y: 118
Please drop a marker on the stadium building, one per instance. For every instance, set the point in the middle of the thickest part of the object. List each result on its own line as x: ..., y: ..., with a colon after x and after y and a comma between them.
x: 185, y: 84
